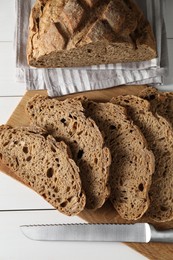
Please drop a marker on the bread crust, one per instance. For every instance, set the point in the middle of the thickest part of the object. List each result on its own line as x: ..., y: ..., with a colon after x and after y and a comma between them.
x: 66, y: 121
x: 68, y: 33
x: 21, y: 152
x: 132, y: 162
x: 159, y: 135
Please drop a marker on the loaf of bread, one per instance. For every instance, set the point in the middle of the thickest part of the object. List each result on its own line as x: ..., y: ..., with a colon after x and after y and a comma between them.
x: 159, y: 135
x: 65, y: 120
x: 132, y: 163
x: 44, y: 165
x: 68, y: 33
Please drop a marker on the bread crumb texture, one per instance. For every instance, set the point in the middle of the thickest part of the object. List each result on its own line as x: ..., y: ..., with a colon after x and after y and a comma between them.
x: 159, y: 135
x: 44, y: 165
x: 66, y: 121
x: 132, y: 162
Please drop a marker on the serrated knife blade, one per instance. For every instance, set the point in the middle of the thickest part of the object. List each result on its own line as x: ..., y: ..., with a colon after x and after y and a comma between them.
x: 139, y: 232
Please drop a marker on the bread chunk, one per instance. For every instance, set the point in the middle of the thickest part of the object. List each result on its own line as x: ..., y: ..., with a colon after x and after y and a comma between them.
x: 70, y: 33
x: 132, y: 163
x: 161, y: 102
x: 159, y: 135
x: 43, y: 165
x: 66, y: 121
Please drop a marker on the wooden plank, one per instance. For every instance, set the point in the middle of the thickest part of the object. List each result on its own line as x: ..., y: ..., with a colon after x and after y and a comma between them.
x: 16, y: 196
x: 7, y: 20
x: 9, y: 87
x: 106, y: 214
x: 8, y: 84
x: 7, y: 105
x: 6, y: 61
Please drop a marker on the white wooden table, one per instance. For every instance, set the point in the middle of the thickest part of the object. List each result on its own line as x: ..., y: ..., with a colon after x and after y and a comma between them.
x: 18, y: 204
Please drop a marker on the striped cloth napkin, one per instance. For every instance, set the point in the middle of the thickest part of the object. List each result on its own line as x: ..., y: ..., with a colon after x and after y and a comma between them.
x: 63, y: 81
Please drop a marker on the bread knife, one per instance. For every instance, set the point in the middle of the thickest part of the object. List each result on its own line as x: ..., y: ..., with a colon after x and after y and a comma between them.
x: 139, y: 232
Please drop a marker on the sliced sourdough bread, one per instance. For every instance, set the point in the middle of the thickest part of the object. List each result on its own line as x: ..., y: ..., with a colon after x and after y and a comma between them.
x: 43, y: 165
x: 85, y: 32
x: 161, y: 102
x: 132, y: 163
x: 159, y: 135
x: 65, y: 120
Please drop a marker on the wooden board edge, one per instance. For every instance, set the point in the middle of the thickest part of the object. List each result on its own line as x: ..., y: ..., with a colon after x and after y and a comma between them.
x: 147, y: 250
x: 17, y: 113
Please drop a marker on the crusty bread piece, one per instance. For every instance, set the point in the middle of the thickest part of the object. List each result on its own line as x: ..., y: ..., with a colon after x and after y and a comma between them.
x: 68, y: 33
x: 132, y: 163
x: 65, y: 120
x: 159, y: 135
x: 44, y: 165
x: 161, y: 102
x: 148, y: 92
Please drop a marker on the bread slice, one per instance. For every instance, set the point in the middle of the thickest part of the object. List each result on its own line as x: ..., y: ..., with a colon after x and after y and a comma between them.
x: 65, y: 120
x: 159, y: 136
x: 161, y: 102
x: 132, y: 163
x: 79, y: 33
x: 148, y: 92
x: 44, y: 165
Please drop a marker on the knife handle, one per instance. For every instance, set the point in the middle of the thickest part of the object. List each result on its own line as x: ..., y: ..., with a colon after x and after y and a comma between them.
x: 165, y: 236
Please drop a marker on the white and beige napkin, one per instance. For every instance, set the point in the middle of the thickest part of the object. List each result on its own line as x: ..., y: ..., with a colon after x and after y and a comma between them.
x: 63, y: 81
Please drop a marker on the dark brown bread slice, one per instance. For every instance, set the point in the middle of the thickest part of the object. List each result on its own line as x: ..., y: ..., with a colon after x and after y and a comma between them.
x: 159, y: 135
x: 66, y: 121
x: 132, y: 163
x: 65, y: 33
x: 44, y: 165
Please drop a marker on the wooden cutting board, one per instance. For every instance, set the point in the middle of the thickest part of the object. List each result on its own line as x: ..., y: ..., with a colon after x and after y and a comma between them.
x: 107, y: 213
